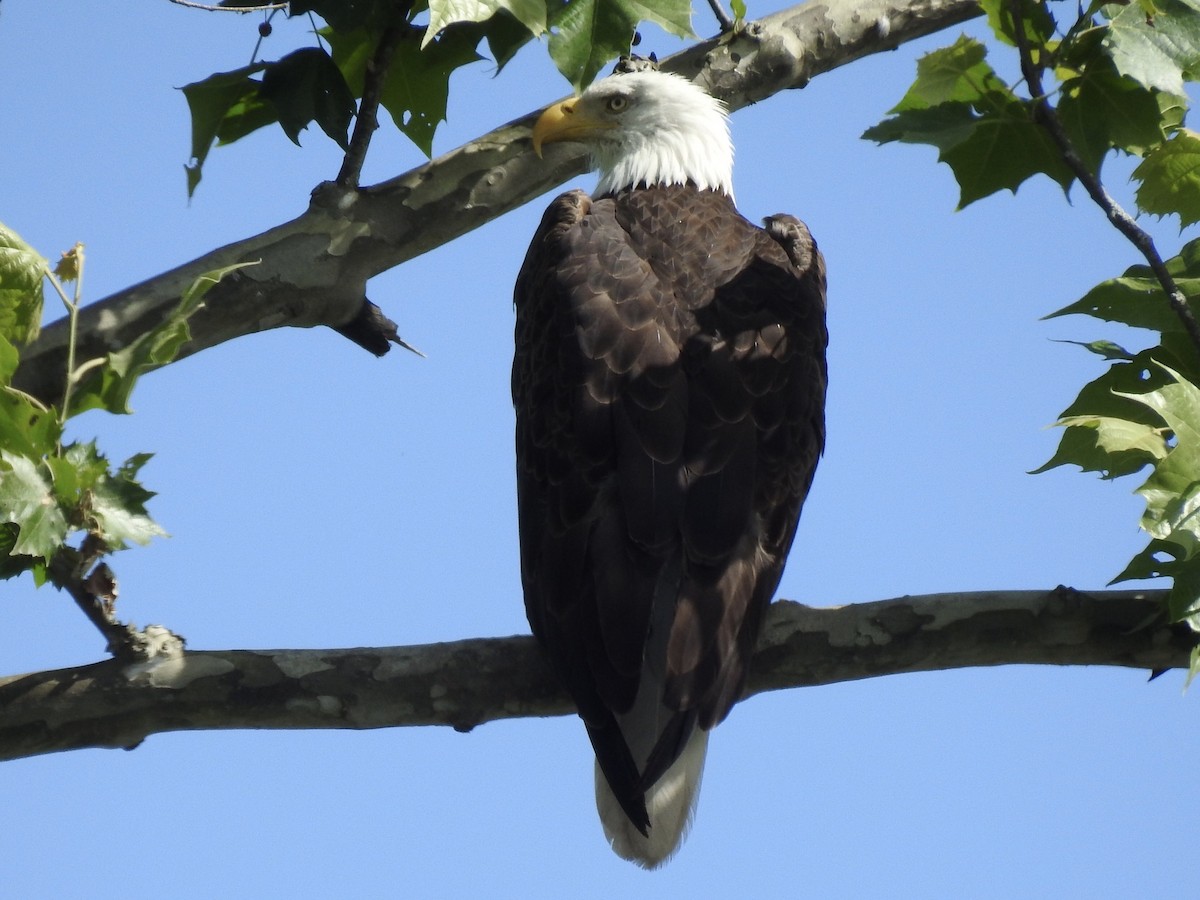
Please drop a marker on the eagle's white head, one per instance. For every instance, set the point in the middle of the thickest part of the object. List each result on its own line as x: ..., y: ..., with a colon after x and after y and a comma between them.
x: 649, y: 128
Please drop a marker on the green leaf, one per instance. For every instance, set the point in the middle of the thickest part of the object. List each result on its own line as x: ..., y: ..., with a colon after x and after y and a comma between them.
x: 1170, y: 178
x: 1101, y: 109
x: 9, y: 359
x: 11, y: 564
x: 442, y: 13
x: 109, y: 387
x: 955, y: 74
x: 505, y: 36
x: 1036, y: 20
x: 21, y: 272
x: 1114, y: 447
x: 943, y: 126
x: 210, y: 101
x: 1158, y: 48
x: 306, y: 86
x: 983, y: 132
x: 26, y: 429
x: 587, y: 34
x: 738, y: 8
x: 1137, y: 299
x: 118, y: 506
x: 1002, y: 151
x: 250, y: 113
x: 27, y: 501
x: 1106, y: 349
x: 417, y: 87
x: 418, y: 83
x: 77, y: 470
x: 1105, y: 430
x: 1172, y: 492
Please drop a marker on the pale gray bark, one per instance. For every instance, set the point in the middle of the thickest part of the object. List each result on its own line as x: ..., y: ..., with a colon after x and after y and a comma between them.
x: 314, y: 269
x: 467, y: 683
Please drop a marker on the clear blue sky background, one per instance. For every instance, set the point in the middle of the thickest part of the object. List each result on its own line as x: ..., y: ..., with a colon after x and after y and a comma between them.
x: 318, y: 497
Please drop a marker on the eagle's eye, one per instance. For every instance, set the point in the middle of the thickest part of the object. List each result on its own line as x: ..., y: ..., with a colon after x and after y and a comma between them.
x: 617, y: 103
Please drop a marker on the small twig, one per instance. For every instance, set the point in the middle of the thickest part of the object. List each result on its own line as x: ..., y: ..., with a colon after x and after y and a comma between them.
x: 367, y: 119
x: 69, y: 571
x: 723, y: 18
x: 1046, y: 116
x: 208, y: 7
x: 72, y: 319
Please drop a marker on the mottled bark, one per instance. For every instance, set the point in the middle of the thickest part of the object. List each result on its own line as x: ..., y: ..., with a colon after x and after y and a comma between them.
x: 467, y: 683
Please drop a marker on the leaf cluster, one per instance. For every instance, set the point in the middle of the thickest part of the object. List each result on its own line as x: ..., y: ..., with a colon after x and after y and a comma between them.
x: 1117, y: 86
x: 323, y: 82
x: 53, y: 492
x: 1111, y: 80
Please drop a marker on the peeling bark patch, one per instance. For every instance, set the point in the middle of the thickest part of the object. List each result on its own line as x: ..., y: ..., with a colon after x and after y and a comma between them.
x: 176, y: 673
x: 297, y: 665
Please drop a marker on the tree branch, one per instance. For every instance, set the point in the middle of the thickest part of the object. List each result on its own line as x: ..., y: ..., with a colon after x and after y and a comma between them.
x: 314, y: 269
x: 1046, y: 115
x: 466, y: 683
x: 367, y: 119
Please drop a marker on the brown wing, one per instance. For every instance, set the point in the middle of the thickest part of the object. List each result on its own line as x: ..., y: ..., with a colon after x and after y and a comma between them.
x: 669, y: 384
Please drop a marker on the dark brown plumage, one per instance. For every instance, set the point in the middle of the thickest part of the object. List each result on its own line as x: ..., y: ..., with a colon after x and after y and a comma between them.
x: 669, y: 384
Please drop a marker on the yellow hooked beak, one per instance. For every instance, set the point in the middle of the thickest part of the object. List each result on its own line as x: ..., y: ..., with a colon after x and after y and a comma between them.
x: 565, y: 122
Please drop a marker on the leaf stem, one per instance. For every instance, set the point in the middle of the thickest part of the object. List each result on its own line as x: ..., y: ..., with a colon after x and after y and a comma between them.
x: 72, y: 326
x: 1044, y: 114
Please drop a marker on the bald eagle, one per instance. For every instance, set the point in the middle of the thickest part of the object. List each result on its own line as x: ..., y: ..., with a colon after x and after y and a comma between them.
x: 669, y: 385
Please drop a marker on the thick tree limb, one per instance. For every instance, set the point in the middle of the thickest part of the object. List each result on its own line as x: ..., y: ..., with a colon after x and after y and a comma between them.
x: 466, y: 683
x: 314, y: 269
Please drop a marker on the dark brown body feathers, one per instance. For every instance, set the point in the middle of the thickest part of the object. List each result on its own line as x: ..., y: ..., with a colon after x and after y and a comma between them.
x: 669, y: 384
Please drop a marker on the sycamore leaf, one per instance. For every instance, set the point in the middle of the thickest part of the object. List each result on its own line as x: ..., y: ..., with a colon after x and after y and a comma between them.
x: 1164, y: 559
x: 587, y: 34
x: 442, y: 13
x: 1170, y: 178
x: 957, y: 73
x: 982, y: 131
x: 109, y: 386
x: 1172, y: 492
x: 9, y: 359
x: 1106, y: 349
x: 1003, y: 151
x: 209, y: 102
x: 1158, y: 48
x: 306, y: 86
x: 1107, y: 430
x: 505, y: 36
x: 11, y: 564
x: 1137, y: 299
x: 26, y: 429
x: 943, y: 126
x: 1111, y: 446
x: 1036, y: 20
x: 1101, y: 109
x: 27, y: 501
x: 417, y: 87
x: 21, y: 272
x: 118, y: 506
x: 418, y: 83
x: 77, y: 470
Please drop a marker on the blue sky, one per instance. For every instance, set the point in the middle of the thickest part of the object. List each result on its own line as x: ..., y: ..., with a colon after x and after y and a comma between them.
x: 318, y: 497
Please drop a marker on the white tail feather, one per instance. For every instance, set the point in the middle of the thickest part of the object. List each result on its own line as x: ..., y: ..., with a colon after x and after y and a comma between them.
x: 671, y: 803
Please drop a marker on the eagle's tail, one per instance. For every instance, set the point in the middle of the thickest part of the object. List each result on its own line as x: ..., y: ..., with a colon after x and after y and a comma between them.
x: 671, y: 803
